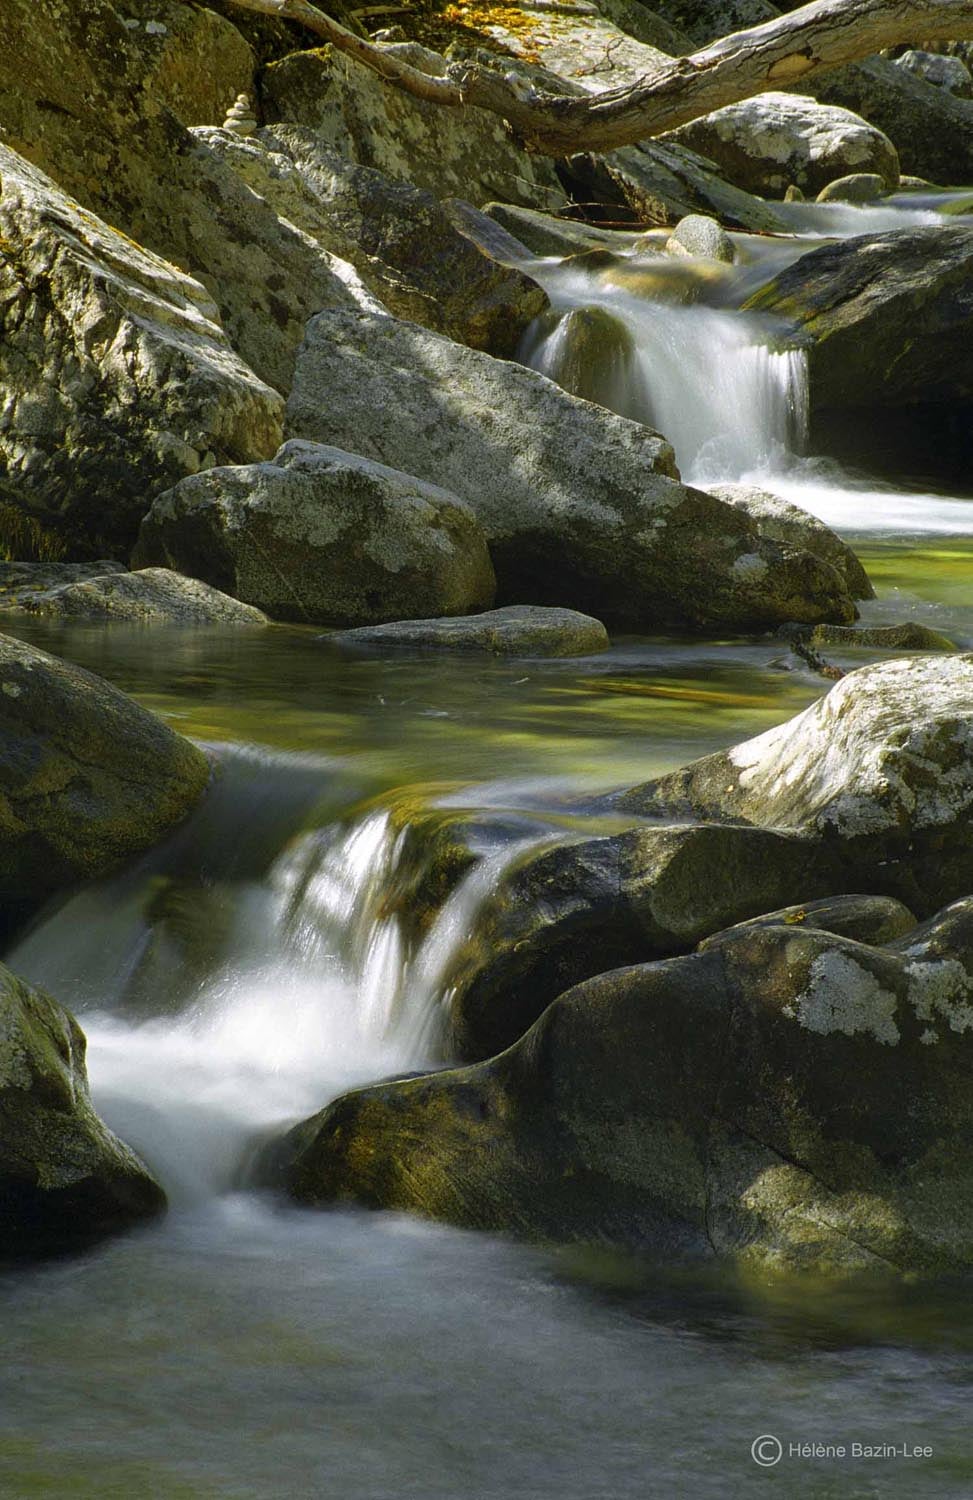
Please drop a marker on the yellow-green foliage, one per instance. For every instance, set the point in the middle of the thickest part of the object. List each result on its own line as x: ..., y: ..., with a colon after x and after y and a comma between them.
x: 25, y: 539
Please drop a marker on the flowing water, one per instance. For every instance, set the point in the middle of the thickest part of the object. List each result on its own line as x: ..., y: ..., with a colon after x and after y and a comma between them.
x: 257, y: 964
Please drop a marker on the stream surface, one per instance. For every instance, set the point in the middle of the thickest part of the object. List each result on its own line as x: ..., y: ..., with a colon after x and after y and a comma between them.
x: 243, y: 974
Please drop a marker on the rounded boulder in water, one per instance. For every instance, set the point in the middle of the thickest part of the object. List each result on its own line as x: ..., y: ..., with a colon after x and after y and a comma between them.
x: 698, y: 234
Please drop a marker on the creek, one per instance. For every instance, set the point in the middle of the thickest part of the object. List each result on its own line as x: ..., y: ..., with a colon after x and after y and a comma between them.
x: 253, y: 967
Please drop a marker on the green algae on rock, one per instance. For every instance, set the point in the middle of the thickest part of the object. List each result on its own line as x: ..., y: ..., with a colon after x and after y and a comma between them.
x: 65, y: 1179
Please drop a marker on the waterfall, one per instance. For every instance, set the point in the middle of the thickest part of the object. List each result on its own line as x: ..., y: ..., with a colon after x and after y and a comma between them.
x: 712, y: 379
x: 270, y: 994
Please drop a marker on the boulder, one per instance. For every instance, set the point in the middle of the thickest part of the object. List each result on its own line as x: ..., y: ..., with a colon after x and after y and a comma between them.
x: 858, y: 187
x: 583, y: 48
x: 787, y: 523
x: 766, y: 143
x: 931, y: 128
x: 581, y: 507
x: 87, y: 777
x: 399, y: 238
x: 116, y: 379
x: 23, y: 582
x: 789, y: 1100
x: 464, y: 153
x: 560, y: 915
x: 590, y: 353
x: 879, y: 772
x: 155, y: 596
x: 323, y: 536
x: 65, y: 1180
x: 888, y: 318
x: 84, y: 112
x: 547, y: 234
x: 875, y: 920
x: 518, y: 630
x: 950, y: 73
x: 190, y: 60
x: 697, y: 234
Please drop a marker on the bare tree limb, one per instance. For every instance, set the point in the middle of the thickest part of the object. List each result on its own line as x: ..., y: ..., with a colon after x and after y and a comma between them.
x: 824, y: 34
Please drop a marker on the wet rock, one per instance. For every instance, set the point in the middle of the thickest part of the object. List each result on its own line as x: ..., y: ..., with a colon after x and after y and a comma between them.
x: 65, y: 1179
x: 784, y: 522
x: 464, y: 153
x: 766, y: 143
x: 859, y: 187
x: 518, y: 630
x: 950, y: 73
x: 788, y: 1100
x: 399, y: 238
x: 87, y: 777
x: 580, y: 507
x: 591, y: 353
x: 875, y: 920
x: 117, y: 376
x: 879, y: 772
x: 323, y: 536
x: 887, y: 318
x: 909, y: 636
x: 561, y: 915
x: 697, y: 234
x: 154, y: 596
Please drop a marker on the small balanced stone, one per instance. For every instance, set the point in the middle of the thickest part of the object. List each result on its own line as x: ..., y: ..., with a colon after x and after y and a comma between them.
x: 241, y: 119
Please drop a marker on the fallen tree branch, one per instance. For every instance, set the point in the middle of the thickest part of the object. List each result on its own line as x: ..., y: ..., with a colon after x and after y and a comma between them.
x: 824, y: 34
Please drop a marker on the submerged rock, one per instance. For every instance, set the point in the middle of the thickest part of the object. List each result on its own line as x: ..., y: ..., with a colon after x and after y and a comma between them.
x: 117, y: 376
x: 888, y: 318
x: 906, y: 637
x: 87, y: 777
x: 789, y: 1100
x: 580, y: 507
x: 154, y: 596
x: 65, y: 1179
x: 323, y: 536
x: 401, y: 240
x: 518, y: 630
x: 764, y: 144
x: 795, y: 527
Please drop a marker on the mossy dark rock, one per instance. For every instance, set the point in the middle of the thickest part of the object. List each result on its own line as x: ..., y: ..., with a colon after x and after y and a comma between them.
x: 87, y: 777
x: 65, y: 1180
x: 874, y: 920
x: 560, y: 915
x: 591, y: 353
x: 787, y: 523
x: 888, y: 318
x: 789, y: 1100
x: 909, y: 636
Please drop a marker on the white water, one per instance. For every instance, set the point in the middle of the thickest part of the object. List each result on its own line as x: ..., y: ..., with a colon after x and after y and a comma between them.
x: 316, y: 993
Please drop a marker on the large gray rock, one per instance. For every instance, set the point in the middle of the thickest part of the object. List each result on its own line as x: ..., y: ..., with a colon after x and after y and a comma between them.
x: 399, y: 238
x: 767, y: 143
x: 950, y: 73
x: 581, y: 507
x: 706, y: 20
x: 116, y: 378
x: 888, y: 318
x: 789, y: 1100
x: 518, y: 630
x: 464, y: 153
x: 931, y: 128
x: 879, y: 772
x: 324, y: 536
x: 154, y: 596
x: 794, y: 527
x: 87, y: 777
x: 65, y: 1180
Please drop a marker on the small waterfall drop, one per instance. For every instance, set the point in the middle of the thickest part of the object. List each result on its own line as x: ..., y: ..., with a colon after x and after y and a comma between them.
x: 302, y: 984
